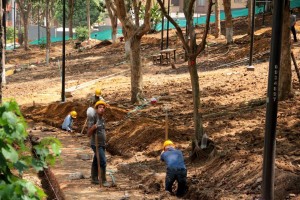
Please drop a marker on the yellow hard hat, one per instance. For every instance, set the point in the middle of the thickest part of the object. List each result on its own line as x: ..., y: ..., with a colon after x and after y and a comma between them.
x: 100, y: 102
x: 168, y: 143
x: 97, y: 92
x: 73, y: 114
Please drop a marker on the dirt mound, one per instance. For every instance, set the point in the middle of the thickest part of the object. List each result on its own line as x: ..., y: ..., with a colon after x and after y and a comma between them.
x: 54, y: 113
x: 104, y: 43
x: 141, y: 135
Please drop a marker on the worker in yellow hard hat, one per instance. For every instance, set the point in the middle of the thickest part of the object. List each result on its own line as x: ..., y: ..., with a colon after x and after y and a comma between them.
x: 68, y: 121
x: 96, y: 97
x: 96, y: 130
x: 176, y: 169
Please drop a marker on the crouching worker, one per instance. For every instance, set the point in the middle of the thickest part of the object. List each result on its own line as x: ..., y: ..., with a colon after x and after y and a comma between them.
x: 68, y: 122
x: 96, y: 128
x: 176, y: 169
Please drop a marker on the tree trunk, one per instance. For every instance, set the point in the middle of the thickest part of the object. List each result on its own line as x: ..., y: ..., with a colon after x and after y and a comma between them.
x: 48, y: 32
x: 25, y: 21
x: 113, y: 19
x: 114, y: 30
x: 218, y: 21
x: 249, y: 4
x: 196, y: 98
x: 285, y: 72
x: 88, y: 17
x: 71, y: 12
x: 136, y: 70
x: 228, y: 21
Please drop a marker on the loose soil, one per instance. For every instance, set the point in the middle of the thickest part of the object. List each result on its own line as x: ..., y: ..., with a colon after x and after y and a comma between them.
x: 232, y: 105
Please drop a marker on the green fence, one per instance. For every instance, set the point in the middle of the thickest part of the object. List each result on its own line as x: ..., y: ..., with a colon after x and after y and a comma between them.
x: 106, y: 34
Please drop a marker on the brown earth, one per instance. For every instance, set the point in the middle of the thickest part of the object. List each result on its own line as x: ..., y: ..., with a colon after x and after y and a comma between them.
x: 232, y: 105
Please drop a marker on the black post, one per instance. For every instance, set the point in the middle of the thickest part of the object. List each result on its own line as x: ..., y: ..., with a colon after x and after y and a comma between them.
x: 272, y: 103
x: 4, y: 20
x: 168, y: 24
x: 39, y: 23
x: 252, y: 34
x: 14, y: 24
x: 63, y: 98
x: 162, y: 29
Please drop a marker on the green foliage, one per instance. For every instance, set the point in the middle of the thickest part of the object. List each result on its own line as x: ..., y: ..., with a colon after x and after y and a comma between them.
x: 82, y: 33
x: 80, y: 14
x: 155, y: 16
x: 42, y: 43
x: 10, y: 33
x: 15, y: 155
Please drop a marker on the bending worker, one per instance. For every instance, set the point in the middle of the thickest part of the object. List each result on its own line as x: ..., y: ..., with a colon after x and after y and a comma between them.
x: 96, y: 128
x: 176, y: 169
x: 68, y: 121
x: 96, y: 97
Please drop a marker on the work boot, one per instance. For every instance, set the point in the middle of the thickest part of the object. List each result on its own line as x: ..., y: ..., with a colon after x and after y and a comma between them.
x: 94, y: 175
x: 103, y: 178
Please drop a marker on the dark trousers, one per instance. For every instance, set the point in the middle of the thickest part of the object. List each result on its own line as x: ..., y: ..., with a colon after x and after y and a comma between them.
x: 178, y: 175
x: 102, y: 157
x: 294, y: 33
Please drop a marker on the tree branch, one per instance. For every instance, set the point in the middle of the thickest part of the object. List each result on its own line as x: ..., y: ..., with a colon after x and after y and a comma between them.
x: 179, y: 31
x: 201, y: 46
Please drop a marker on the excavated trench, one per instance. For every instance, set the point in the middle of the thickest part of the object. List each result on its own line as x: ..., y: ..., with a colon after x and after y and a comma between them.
x: 48, y: 181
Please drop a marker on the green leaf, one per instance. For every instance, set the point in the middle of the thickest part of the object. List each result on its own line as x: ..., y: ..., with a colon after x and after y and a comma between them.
x: 21, y: 166
x: 10, y: 117
x: 10, y: 154
x: 56, y: 149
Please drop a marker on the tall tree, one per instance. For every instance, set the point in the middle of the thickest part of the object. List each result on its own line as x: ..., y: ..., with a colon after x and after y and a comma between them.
x: 112, y: 13
x: 228, y: 21
x: 217, y: 19
x: 193, y: 50
x: 70, y: 17
x: 285, y: 72
x: 88, y: 18
x: 25, y: 9
x: 133, y: 33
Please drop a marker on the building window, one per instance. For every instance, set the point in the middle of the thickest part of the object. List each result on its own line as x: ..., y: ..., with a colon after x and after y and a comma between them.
x: 201, y: 2
x: 175, y: 2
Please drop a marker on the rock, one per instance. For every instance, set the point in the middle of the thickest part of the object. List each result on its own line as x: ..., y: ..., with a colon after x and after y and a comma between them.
x: 84, y: 156
x: 76, y: 176
x: 258, y: 180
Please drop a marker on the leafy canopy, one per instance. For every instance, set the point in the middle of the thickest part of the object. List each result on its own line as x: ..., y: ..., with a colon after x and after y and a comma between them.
x: 80, y: 13
x: 15, y: 156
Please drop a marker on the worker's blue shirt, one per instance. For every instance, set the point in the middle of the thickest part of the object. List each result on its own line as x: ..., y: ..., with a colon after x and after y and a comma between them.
x: 173, y: 159
x: 67, y: 124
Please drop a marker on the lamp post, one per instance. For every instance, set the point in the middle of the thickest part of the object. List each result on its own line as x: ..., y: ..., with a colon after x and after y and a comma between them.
x: 14, y: 25
x: 162, y: 29
x: 39, y: 23
x: 63, y: 97
x: 168, y: 24
x: 272, y: 103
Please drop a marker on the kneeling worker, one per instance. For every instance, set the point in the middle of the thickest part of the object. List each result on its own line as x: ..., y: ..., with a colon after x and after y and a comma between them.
x: 176, y: 169
x: 68, y: 122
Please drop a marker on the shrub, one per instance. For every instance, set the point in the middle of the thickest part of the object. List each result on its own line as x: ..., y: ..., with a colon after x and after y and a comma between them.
x: 82, y: 33
x: 15, y: 156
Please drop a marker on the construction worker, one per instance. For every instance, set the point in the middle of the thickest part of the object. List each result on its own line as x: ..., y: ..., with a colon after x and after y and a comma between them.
x: 176, y: 170
x: 68, y: 121
x: 96, y: 128
x: 96, y: 97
